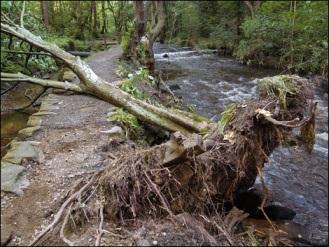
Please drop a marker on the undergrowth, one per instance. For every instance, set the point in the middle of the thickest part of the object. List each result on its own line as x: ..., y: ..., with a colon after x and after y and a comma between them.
x: 133, y: 129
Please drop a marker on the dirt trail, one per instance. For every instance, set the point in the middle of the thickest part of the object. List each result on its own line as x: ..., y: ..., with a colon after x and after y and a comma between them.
x: 71, y: 140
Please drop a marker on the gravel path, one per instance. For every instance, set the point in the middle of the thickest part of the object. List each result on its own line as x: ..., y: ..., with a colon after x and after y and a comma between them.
x: 71, y: 140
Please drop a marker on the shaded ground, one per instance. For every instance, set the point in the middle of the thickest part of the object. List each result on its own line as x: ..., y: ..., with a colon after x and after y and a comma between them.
x: 70, y: 140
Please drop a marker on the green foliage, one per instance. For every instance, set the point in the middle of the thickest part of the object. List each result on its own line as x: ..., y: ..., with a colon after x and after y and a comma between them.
x: 226, y: 117
x: 14, y: 62
x: 191, y: 108
x: 123, y: 70
x: 127, y: 121
x: 280, y: 34
x: 277, y: 86
x: 128, y: 86
x: 6, y: 5
x: 298, y: 38
x: 43, y: 64
x: 141, y: 75
x: 66, y: 42
x: 126, y: 36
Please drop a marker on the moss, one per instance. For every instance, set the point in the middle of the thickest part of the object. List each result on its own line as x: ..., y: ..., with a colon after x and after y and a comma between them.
x: 198, y: 118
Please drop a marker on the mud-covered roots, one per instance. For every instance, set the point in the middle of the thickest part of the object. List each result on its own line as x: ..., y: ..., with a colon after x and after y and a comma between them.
x: 192, y: 174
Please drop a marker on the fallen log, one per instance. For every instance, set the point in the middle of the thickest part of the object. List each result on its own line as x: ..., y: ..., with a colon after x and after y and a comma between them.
x: 166, y: 118
x: 194, y: 174
x: 199, y: 168
x: 79, y: 53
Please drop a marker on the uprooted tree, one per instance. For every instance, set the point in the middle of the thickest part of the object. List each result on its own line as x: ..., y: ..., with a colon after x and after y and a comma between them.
x: 200, y: 167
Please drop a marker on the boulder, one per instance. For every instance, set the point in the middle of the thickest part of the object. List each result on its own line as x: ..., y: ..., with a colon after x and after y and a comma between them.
x: 11, y: 180
x: 20, y: 150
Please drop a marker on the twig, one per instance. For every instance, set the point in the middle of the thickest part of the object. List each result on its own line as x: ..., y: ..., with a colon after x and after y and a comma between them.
x: 156, y: 190
x: 32, y: 100
x: 62, y: 235
x: 290, y: 124
x: 100, y: 227
x: 265, y: 189
x: 26, y: 52
x: 112, y: 233
x: 226, y: 234
x: 22, y: 15
x: 10, y: 88
x: 59, y: 214
x: 167, y: 88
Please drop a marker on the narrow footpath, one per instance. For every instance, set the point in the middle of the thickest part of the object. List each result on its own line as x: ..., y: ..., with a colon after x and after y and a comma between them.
x: 70, y: 139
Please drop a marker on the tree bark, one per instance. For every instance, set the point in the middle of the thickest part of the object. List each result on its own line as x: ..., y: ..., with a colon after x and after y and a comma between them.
x: 90, y: 83
x: 163, y: 33
x: 104, y: 19
x: 158, y: 18
x: 94, y: 18
x: 45, y: 13
x: 138, y: 32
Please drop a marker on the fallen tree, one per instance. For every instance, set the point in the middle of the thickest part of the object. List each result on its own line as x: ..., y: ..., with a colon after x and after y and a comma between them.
x: 92, y: 84
x: 199, y: 168
x: 193, y: 174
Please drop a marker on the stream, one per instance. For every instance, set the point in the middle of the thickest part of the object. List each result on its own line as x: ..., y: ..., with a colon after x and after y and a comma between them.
x: 296, y: 179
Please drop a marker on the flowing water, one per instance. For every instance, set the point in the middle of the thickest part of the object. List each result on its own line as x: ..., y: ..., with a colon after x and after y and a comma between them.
x: 296, y: 179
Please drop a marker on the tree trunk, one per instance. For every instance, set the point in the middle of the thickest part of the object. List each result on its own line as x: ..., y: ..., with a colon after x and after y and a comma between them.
x: 94, y: 18
x: 158, y: 18
x: 168, y: 119
x: 104, y: 19
x: 138, y: 32
x: 163, y: 33
x: 45, y: 13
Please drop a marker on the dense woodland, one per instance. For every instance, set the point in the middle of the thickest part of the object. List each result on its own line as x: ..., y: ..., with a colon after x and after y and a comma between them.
x: 288, y: 35
x: 151, y: 170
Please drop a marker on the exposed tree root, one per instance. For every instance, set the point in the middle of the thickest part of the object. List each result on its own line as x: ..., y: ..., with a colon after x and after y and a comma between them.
x: 187, y: 174
x: 63, y: 208
x: 100, y: 228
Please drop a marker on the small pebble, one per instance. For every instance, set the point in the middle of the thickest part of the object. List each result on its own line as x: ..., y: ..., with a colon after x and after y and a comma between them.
x: 154, y: 242
x: 164, y: 233
x: 300, y: 236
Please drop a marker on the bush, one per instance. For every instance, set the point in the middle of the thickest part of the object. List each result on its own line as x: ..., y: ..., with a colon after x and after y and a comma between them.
x: 297, y: 38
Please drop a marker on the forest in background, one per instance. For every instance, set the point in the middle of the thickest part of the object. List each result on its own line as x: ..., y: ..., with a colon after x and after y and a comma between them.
x: 287, y: 35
